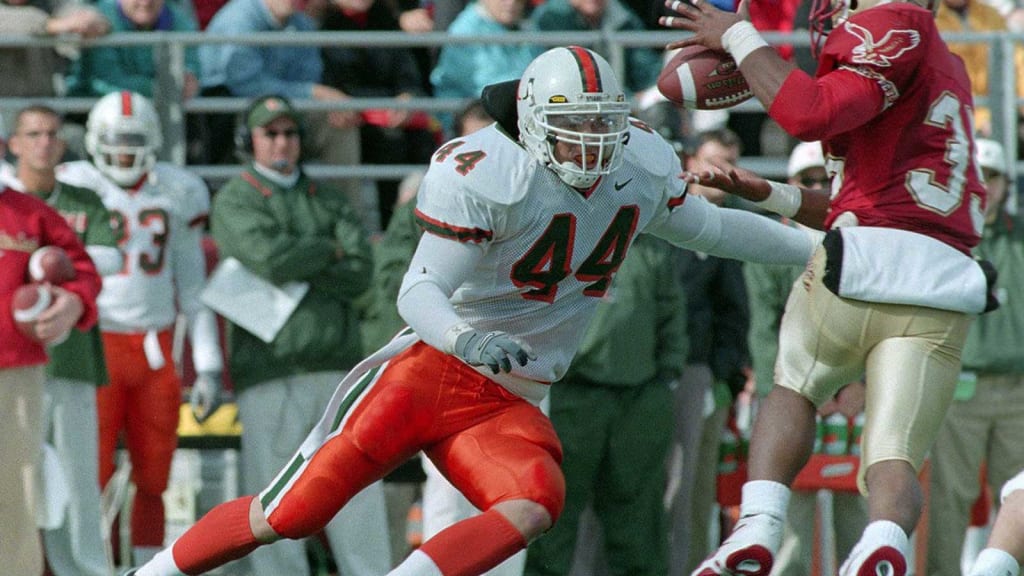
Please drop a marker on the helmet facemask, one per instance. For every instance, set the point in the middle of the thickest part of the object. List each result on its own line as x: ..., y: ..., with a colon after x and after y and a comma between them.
x: 124, y: 156
x: 597, y: 130
x: 824, y: 14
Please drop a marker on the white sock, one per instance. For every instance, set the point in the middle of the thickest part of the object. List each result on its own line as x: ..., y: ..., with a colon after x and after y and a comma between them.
x: 162, y: 564
x: 764, y: 497
x: 885, y: 533
x: 416, y: 564
x: 995, y: 562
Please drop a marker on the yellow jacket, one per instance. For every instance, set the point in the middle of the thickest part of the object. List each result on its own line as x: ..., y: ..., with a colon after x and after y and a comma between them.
x: 980, y: 18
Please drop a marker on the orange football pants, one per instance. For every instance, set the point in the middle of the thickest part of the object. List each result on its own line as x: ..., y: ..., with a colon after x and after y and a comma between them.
x: 491, y: 444
x: 140, y: 405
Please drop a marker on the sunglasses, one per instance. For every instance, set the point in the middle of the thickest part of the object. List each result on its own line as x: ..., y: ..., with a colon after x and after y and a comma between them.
x: 287, y: 133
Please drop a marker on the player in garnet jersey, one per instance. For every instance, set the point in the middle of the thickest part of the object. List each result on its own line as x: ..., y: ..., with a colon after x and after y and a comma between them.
x: 522, y: 240
x: 892, y: 107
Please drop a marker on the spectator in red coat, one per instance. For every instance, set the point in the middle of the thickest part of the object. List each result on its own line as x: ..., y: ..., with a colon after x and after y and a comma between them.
x: 28, y: 223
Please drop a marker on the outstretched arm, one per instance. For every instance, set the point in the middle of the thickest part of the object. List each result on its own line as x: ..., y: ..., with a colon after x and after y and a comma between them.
x: 808, y: 207
x: 704, y: 227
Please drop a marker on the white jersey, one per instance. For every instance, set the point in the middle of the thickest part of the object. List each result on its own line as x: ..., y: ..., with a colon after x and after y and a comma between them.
x: 158, y: 226
x: 551, y: 251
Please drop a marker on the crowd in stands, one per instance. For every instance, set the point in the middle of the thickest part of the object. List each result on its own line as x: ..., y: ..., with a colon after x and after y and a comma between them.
x: 638, y: 506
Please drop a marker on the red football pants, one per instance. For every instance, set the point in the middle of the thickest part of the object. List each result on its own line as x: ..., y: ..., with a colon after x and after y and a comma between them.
x: 143, y: 405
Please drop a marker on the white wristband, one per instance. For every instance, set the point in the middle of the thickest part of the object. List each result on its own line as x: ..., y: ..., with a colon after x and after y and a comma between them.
x: 451, y: 336
x: 741, y: 39
x: 784, y: 199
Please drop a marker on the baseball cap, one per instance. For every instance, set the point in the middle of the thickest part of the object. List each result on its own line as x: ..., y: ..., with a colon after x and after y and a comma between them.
x: 805, y: 155
x: 269, y: 109
x: 990, y: 155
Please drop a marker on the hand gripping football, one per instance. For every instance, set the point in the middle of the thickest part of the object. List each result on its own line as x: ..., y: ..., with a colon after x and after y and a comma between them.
x: 703, y: 79
x: 50, y: 264
x: 28, y: 303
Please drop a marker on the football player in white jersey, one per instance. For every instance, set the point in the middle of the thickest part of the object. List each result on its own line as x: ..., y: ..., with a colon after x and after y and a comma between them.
x: 158, y: 211
x: 522, y: 239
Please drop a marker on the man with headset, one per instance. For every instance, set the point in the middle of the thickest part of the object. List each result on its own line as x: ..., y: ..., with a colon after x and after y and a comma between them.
x: 283, y: 227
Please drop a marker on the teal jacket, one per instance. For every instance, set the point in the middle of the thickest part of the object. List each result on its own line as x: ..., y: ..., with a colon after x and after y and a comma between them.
x: 105, y: 69
x: 995, y: 339
x: 638, y: 334
x: 295, y: 234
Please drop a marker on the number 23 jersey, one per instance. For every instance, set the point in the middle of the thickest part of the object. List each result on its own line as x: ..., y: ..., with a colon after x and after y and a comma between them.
x: 551, y: 251
x: 158, y: 226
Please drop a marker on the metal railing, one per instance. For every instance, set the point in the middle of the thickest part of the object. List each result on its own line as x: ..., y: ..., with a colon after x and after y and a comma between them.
x: 169, y: 54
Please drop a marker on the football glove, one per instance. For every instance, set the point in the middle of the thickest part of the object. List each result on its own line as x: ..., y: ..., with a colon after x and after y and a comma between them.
x: 495, y: 349
x: 206, y: 396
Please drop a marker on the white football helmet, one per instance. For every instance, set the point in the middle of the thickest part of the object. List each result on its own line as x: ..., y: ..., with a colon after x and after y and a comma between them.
x: 123, y: 136
x: 827, y: 14
x: 571, y: 95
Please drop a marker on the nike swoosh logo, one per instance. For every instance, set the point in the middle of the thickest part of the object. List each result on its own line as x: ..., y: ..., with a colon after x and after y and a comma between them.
x: 619, y: 186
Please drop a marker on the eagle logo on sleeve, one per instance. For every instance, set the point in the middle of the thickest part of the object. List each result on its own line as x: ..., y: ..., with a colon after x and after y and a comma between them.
x: 883, y: 52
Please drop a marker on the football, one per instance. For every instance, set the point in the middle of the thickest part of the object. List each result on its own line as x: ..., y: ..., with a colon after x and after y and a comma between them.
x: 28, y: 303
x: 50, y: 264
x: 703, y: 79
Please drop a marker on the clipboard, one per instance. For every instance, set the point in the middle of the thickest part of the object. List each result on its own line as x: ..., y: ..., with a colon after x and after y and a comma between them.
x: 249, y: 301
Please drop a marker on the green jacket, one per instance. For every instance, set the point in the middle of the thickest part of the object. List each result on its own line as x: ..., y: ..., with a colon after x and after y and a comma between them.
x: 391, y: 256
x: 80, y: 357
x: 768, y: 287
x: 638, y: 334
x: 288, y: 235
x: 995, y: 339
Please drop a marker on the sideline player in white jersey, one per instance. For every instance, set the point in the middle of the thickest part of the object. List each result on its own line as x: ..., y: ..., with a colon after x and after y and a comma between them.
x: 158, y: 211
x: 523, y: 239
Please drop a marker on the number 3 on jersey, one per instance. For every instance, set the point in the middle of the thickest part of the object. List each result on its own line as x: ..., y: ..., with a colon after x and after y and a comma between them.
x: 547, y: 262
x: 948, y: 113
x: 155, y: 222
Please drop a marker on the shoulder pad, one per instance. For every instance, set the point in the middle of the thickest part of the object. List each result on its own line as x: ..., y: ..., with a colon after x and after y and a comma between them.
x: 486, y: 166
x: 649, y: 151
x: 192, y: 198
x: 884, y: 37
